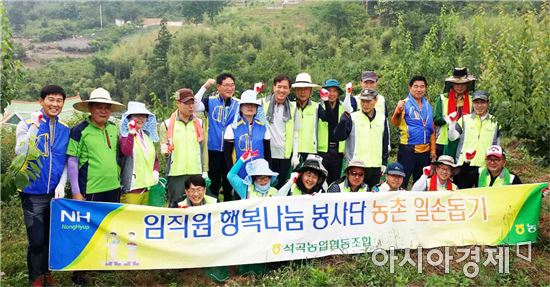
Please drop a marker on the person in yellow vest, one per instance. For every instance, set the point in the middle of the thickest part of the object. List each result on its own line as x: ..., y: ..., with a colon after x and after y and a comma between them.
x: 493, y: 174
x: 366, y: 135
x: 455, y: 99
x: 438, y: 177
x: 306, y: 120
x: 279, y: 115
x: 476, y: 132
x: 353, y: 181
x: 309, y: 178
x: 140, y: 166
x: 183, y: 145
x: 394, y: 179
x: 331, y: 150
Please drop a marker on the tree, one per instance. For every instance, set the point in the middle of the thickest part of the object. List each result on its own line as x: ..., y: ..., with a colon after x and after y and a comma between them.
x: 194, y: 10
x: 159, y: 80
x: 11, y: 67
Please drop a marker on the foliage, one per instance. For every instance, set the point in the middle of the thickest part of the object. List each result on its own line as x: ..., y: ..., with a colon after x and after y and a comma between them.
x: 23, y: 168
x: 12, y: 72
x: 158, y: 63
x: 195, y: 10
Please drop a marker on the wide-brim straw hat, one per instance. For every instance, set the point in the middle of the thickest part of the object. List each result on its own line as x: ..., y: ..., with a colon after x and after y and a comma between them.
x: 303, y: 80
x: 99, y: 95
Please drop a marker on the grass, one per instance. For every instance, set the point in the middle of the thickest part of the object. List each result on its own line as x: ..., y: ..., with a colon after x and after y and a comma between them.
x: 341, y: 270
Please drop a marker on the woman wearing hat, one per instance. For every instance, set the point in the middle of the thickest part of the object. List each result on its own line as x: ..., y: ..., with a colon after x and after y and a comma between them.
x: 354, y: 179
x: 140, y: 167
x: 247, y: 133
x: 92, y: 150
x: 309, y: 178
x: 258, y: 181
x: 439, y: 178
x: 452, y: 105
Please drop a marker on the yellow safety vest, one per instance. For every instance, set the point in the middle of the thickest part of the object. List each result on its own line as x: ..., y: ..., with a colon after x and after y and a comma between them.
x: 478, y: 135
x: 144, y: 163
x: 368, y: 138
x: 186, y: 157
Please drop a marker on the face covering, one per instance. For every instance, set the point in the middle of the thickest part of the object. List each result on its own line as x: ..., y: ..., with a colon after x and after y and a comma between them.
x: 263, y: 189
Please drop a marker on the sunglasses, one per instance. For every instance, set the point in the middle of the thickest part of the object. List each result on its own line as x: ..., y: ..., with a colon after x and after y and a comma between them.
x: 356, y: 174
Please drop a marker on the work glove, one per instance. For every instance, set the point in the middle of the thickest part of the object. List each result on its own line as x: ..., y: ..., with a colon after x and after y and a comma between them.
x: 204, y: 174
x: 36, y: 118
x: 470, y: 155
x: 166, y: 149
x: 545, y: 192
x: 323, y: 94
x: 294, y: 177
x: 132, y: 127
x: 347, y: 100
x: 258, y: 87
x: 249, y: 154
x: 427, y: 170
x: 382, y: 170
x: 451, y: 118
x: 295, y: 161
x: 60, y: 191
x: 155, y: 176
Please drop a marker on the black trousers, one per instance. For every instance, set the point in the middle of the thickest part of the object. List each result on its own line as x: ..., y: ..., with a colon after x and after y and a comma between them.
x: 332, y: 161
x: 412, y: 162
x: 36, y: 213
x: 282, y: 166
x: 217, y: 171
x: 372, y: 176
x: 106, y: 196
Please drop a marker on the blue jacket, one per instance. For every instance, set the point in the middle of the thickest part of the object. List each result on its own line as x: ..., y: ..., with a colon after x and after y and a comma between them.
x: 219, y: 117
x: 419, y: 122
x: 245, y: 141
x: 53, y: 146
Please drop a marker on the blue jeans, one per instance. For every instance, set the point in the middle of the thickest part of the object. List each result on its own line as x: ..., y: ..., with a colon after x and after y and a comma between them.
x: 36, y: 212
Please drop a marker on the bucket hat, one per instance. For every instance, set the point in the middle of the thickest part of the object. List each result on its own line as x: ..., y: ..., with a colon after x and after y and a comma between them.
x: 99, y: 95
x: 249, y: 97
x: 259, y: 167
x: 150, y: 126
x: 332, y: 83
x: 303, y: 80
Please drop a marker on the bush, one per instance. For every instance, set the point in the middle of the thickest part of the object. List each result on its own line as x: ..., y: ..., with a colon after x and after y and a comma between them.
x: 8, y: 153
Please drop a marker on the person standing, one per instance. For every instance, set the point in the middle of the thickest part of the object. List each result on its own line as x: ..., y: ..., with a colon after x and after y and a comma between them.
x: 306, y: 120
x: 331, y: 150
x: 414, y: 118
x: 475, y: 133
x: 92, y: 150
x: 366, y: 135
x: 456, y: 99
x: 140, y: 166
x: 247, y: 133
x: 51, y: 137
x: 221, y: 109
x: 183, y: 145
x: 280, y: 112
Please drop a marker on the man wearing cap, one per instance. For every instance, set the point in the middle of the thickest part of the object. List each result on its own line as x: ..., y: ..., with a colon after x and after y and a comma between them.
x: 306, y: 120
x: 140, y: 166
x: 440, y: 179
x: 51, y: 137
x: 414, y: 118
x: 183, y: 145
x: 279, y: 112
x: 92, y: 150
x: 493, y: 174
x: 221, y: 108
x: 248, y: 133
x: 394, y: 178
x: 476, y: 132
x: 366, y: 135
x: 353, y: 181
x: 454, y: 103
x: 331, y: 150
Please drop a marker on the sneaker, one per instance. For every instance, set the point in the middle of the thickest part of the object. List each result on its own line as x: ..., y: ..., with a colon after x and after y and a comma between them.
x: 38, y: 282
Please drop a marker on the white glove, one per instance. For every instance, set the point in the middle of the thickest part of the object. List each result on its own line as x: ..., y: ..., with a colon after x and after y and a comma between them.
x: 132, y: 127
x: 347, y: 100
x: 60, y: 188
x: 451, y: 118
x: 295, y: 161
x: 155, y: 176
x: 258, y: 87
x: 36, y: 118
x: 323, y: 94
x: 383, y: 169
x: 204, y: 174
x: 453, y: 133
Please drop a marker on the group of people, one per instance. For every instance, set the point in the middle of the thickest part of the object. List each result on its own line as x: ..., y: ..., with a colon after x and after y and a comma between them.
x: 256, y: 147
